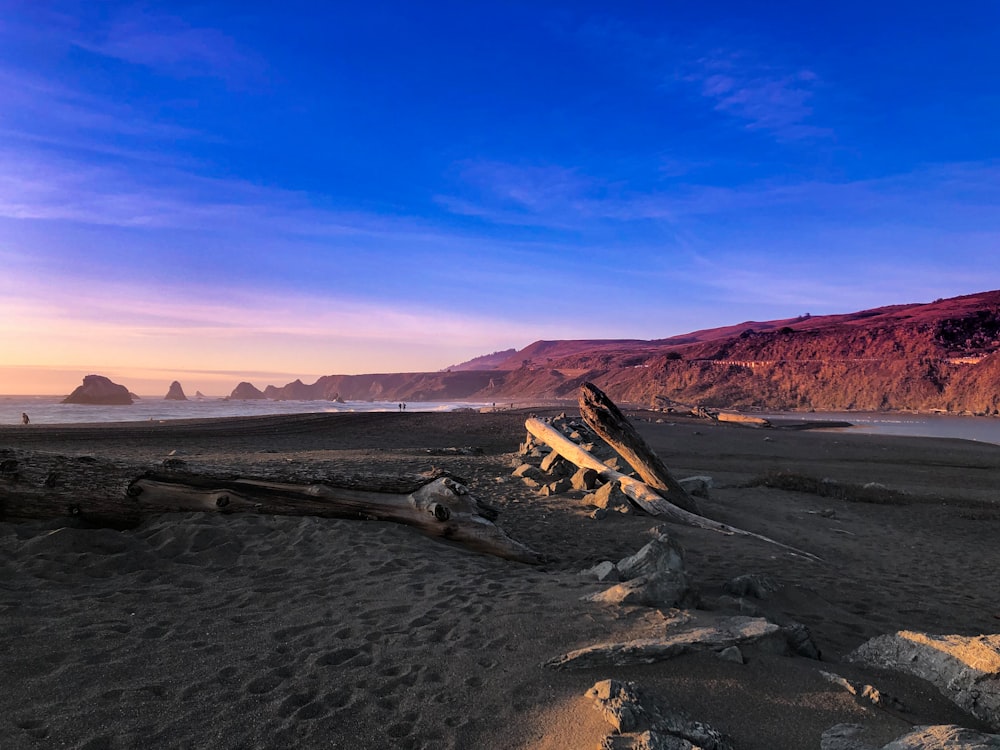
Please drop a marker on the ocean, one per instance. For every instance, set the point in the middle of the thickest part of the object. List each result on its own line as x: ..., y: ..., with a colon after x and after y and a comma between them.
x: 982, y: 429
x: 48, y: 410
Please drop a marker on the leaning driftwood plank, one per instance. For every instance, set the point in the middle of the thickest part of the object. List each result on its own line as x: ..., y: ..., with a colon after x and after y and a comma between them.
x: 105, y: 493
x: 640, y: 493
x: 607, y: 420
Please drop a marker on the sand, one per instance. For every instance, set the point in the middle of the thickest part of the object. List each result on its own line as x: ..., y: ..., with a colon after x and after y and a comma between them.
x: 198, y: 630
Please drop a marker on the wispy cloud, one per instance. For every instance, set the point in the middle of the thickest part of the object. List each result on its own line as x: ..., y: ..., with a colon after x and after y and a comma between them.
x: 559, y: 198
x: 170, y: 45
x: 765, y: 96
x: 747, y: 79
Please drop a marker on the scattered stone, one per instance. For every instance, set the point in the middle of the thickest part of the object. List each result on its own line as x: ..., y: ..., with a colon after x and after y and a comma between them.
x: 531, y: 483
x: 554, y: 464
x: 649, y: 591
x: 652, y: 577
x: 641, y: 722
x: 617, y: 464
x: 598, y: 514
x: 939, y: 737
x: 697, y: 486
x: 965, y: 669
x: 865, y: 692
x: 528, y: 471
x: 609, y: 496
x: 557, y: 487
x: 603, y: 571
x: 662, y: 556
x: 174, y: 463
x: 800, y: 640
x: 733, y: 654
x: 752, y: 584
x: 584, y: 479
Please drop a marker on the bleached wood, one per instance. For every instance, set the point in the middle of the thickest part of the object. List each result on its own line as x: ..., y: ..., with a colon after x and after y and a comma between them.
x: 608, y: 421
x: 639, y: 492
x: 97, y: 491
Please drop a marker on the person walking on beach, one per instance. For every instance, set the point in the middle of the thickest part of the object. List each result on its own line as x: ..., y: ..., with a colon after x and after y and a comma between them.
x: 24, y: 418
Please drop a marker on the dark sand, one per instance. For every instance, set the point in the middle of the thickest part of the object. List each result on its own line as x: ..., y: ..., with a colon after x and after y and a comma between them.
x: 199, y: 630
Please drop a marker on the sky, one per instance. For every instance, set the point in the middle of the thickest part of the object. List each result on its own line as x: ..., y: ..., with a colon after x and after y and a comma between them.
x: 223, y: 191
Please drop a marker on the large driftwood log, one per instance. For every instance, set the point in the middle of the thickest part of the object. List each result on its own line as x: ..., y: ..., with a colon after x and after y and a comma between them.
x: 607, y: 420
x: 36, y: 485
x: 639, y: 492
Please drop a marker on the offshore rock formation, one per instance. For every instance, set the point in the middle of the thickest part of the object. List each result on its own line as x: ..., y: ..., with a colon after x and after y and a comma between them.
x: 246, y: 392
x: 99, y: 390
x: 175, y: 393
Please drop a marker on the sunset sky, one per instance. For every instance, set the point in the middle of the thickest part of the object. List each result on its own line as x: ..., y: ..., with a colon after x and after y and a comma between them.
x: 224, y: 191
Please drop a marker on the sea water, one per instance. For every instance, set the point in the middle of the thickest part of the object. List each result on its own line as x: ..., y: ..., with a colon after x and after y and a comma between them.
x: 49, y: 410
x: 983, y: 429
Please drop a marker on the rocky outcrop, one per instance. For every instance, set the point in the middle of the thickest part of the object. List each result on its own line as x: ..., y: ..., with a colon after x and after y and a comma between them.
x: 640, y: 721
x: 938, y: 737
x: 99, y: 390
x: 246, y: 392
x: 652, y: 577
x: 965, y: 669
x: 175, y: 393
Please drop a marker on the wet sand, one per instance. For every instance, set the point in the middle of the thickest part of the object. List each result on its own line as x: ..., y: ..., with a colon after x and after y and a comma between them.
x: 202, y: 630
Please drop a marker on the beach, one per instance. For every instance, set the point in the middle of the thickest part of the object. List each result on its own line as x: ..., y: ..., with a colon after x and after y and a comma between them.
x: 236, y: 631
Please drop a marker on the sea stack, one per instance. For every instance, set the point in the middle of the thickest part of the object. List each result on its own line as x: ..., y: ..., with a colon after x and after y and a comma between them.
x: 246, y: 392
x: 99, y: 390
x: 175, y: 393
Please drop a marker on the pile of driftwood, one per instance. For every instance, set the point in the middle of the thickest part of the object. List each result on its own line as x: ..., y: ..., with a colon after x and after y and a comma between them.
x: 655, y: 490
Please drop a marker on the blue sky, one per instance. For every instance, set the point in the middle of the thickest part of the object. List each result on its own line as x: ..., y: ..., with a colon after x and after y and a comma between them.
x: 219, y: 191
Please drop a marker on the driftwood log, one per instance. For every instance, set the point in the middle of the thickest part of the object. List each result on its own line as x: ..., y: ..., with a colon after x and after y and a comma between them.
x: 607, y: 420
x: 101, y: 492
x: 644, y: 496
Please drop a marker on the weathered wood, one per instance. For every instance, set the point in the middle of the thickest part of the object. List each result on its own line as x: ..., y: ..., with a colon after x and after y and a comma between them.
x: 745, y: 419
x: 639, y: 492
x: 607, y: 420
x: 101, y: 492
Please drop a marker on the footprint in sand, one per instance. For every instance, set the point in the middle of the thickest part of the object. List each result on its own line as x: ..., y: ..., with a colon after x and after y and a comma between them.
x: 346, y: 657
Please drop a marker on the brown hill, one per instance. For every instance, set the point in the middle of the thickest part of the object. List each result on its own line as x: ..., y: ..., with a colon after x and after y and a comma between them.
x: 940, y: 355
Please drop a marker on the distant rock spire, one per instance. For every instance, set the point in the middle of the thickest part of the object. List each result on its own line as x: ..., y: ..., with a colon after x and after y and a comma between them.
x: 176, y: 393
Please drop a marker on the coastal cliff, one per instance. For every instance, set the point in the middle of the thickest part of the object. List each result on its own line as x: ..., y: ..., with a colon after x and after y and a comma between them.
x: 943, y: 355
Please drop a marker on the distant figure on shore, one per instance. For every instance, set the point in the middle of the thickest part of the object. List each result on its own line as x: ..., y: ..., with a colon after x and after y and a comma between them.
x: 24, y: 418
x: 401, y: 407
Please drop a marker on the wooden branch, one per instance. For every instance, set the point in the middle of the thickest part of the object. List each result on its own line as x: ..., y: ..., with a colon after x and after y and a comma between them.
x: 640, y: 493
x: 105, y: 493
x: 607, y: 420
